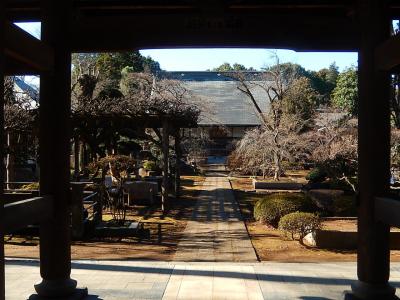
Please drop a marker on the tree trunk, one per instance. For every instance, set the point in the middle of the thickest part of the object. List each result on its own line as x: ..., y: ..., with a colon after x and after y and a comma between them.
x: 165, y: 152
x: 10, y: 161
x: 85, y: 157
x: 76, y: 157
x: 263, y: 170
x: 178, y: 153
x: 278, y: 167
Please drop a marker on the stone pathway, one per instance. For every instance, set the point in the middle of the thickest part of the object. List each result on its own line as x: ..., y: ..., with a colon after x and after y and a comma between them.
x: 213, y: 281
x: 123, y: 280
x: 215, y: 260
x: 216, y: 232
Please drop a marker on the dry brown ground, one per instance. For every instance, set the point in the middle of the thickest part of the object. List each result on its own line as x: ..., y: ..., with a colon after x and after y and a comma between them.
x: 271, y: 245
x: 128, y: 248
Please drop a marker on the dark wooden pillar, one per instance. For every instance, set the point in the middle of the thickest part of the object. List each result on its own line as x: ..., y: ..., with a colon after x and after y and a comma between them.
x: 54, y: 145
x: 165, y: 152
x: 178, y: 154
x: 374, y: 155
x: 77, y: 210
x: 2, y: 143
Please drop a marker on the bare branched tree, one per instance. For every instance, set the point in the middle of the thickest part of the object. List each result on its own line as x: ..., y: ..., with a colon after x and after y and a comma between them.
x: 265, y: 150
x: 102, y: 117
x: 290, y: 100
x: 20, y: 115
x: 395, y: 100
x: 335, y: 150
x: 85, y: 74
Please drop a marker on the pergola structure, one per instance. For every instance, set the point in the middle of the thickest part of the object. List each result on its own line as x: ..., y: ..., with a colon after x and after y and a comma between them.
x: 105, y: 25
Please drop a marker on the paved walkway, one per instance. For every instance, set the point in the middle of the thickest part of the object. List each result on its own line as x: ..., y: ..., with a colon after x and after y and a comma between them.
x: 216, y: 232
x: 221, y: 264
x: 123, y: 280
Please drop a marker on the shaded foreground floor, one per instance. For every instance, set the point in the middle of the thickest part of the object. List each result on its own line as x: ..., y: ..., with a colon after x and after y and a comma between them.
x: 216, y: 231
x: 124, y: 280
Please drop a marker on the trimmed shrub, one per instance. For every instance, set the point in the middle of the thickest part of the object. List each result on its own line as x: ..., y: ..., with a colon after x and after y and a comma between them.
x: 150, y: 165
x: 316, y: 175
x: 299, y: 224
x: 274, y: 206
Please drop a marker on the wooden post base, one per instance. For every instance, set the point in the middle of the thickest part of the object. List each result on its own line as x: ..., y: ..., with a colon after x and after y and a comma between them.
x: 367, y: 291
x: 56, y: 288
x: 79, y: 294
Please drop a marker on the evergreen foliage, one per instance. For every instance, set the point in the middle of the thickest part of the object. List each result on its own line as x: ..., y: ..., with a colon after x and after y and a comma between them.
x: 345, y: 94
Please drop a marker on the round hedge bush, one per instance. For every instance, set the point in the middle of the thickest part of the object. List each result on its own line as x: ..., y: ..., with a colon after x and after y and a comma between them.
x: 150, y: 165
x: 274, y: 206
x: 299, y: 224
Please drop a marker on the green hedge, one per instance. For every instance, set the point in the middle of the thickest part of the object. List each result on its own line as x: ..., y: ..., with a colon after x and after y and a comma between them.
x: 274, y: 206
x: 150, y: 165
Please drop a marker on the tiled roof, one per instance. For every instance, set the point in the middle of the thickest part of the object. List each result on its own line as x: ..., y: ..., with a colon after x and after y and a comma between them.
x: 226, y: 104
x: 26, y: 88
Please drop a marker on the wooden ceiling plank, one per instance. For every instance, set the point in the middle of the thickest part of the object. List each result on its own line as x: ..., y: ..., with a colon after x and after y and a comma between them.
x: 387, y: 55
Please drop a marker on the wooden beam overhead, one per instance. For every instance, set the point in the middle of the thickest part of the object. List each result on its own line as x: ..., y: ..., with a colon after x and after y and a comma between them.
x: 122, y: 33
x: 24, y: 53
x: 29, y: 10
x: 387, y: 55
x: 121, y: 25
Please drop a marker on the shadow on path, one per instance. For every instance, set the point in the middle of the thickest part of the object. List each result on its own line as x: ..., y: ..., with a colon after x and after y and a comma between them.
x: 208, y: 273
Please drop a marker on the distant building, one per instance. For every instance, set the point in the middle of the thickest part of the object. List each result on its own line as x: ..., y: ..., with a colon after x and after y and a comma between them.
x: 23, y: 88
x: 228, y: 112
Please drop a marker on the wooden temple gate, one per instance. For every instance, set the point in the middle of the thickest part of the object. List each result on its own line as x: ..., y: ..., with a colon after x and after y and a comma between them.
x: 97, y: 25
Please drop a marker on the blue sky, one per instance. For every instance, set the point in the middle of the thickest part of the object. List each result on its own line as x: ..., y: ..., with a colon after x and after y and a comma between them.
x: 203, y: 59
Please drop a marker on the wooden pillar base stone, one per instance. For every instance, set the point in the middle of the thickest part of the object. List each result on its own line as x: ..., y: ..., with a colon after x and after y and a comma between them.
x: 77, y: 294
x: 56, y: 288
x: 367, y: 291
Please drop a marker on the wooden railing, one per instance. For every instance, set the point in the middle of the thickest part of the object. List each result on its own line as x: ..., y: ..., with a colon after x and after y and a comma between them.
x: 92, y: 206
x: 20, y: 214
x: 10, y: 197
x: 22, y: 208
x: 86, y: 206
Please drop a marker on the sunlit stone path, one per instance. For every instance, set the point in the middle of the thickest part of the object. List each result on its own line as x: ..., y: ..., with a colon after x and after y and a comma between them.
x: 216, y: 231
x: 133, y: 280
x: 215, y: 260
